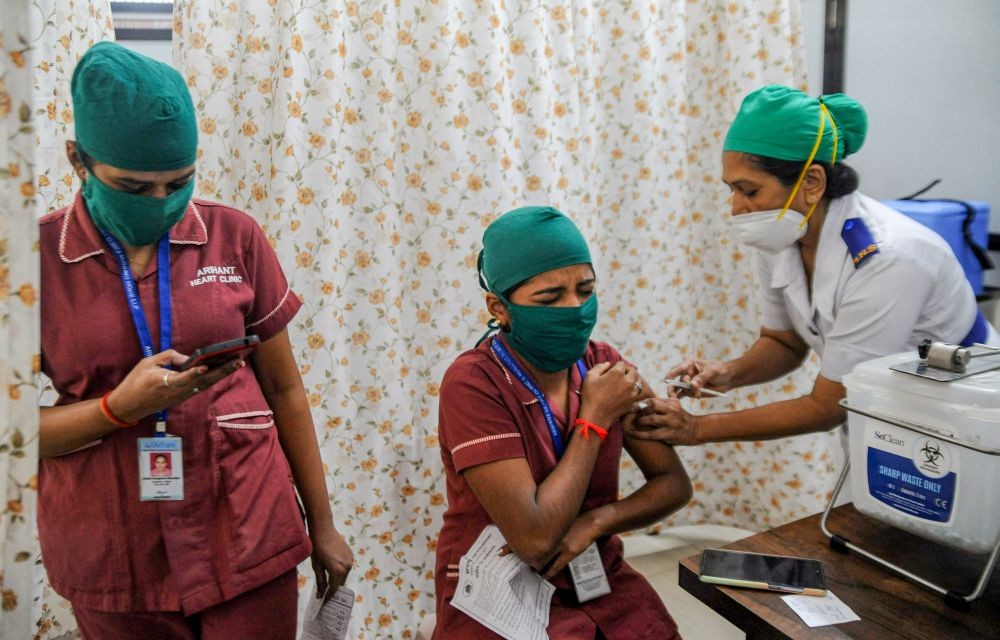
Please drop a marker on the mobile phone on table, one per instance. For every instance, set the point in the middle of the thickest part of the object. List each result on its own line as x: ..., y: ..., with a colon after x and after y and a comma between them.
x: 786, y: 574
x: 220, y: 353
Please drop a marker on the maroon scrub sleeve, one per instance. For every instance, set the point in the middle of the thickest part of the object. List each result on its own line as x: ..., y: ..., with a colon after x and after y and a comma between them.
x: 476, y: 426
x: 275, y: 304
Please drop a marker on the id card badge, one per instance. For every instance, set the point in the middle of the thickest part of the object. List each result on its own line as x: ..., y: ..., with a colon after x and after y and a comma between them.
x: 589, y: 578
x: 161, y: 469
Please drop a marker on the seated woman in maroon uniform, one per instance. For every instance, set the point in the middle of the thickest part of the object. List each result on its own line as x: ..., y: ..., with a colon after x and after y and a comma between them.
x: 531, y: 438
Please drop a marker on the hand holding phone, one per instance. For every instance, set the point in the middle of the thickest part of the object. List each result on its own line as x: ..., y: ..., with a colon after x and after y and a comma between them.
x: 220, y: 353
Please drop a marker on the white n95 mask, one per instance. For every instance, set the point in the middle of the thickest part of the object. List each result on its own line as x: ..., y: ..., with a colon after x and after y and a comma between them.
x: 764, y: 230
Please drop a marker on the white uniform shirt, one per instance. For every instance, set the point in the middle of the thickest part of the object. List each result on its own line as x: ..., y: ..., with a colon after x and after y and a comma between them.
x: 912, y: 289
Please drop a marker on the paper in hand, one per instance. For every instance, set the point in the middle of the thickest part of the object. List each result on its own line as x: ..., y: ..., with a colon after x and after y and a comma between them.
x: 328, y: 620
x: 502, y: 592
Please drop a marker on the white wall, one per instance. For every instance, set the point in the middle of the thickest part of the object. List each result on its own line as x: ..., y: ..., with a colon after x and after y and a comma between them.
x: 928, y: 73
x: 813, y: 16
x: 156, y: 49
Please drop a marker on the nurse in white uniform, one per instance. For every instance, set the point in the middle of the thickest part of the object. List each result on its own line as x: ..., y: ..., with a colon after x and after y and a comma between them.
x: 839, y: 273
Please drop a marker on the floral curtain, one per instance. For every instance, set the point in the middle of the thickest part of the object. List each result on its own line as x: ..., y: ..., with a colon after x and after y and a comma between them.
x: 374, y: 141
x: 40, y: 41
x: 18, y: 324
x: 66, y: 29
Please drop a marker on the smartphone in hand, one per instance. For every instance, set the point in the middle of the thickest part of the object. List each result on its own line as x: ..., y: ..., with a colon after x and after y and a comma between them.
x: 220, y: 353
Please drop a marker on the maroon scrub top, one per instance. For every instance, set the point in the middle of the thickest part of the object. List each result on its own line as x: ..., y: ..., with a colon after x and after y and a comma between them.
x: 487, y: 415
x: 239, y: 525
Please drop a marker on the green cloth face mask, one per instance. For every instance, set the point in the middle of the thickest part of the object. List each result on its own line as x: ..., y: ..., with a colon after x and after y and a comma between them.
x: 551, y: 338
x: 132, y: 218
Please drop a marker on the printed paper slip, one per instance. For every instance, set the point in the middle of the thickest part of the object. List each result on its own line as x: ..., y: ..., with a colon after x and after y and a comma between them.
x: 328, y: 620
x: 820, y: 611
x: 534, y: 592
x: 502, y: 593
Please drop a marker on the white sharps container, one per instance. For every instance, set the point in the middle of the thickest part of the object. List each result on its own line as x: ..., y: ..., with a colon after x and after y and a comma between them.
x: 926, y: 485
x: 923, y: 453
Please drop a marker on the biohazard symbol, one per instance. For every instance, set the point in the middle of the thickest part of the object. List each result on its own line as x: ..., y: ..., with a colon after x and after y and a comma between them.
x: 932, y: 453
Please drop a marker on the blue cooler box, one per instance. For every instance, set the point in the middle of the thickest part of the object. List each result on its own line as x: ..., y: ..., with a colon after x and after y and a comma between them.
x: 946, y: 218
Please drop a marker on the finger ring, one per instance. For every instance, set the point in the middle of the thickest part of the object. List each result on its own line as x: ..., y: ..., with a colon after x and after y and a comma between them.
x: 166, y: 378
x: 195, y: 390
x: 638, y: 388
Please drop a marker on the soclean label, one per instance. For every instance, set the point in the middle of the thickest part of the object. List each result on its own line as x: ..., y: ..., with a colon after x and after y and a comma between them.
x: 912, y: 473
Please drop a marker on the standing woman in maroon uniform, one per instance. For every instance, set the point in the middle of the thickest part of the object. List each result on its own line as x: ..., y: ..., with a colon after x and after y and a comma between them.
x: 134, y: 274
x: 531, y: 438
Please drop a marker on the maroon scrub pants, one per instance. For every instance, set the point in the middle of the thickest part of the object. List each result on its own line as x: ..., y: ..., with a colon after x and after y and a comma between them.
x: 267, y: 612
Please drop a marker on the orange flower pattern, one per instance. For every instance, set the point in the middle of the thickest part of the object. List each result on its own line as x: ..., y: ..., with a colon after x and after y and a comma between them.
x: 73, y: 26
x: 40, y: 41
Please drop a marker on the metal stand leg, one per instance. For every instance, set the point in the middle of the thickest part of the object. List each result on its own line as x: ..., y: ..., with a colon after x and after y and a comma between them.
x: 956, y: 600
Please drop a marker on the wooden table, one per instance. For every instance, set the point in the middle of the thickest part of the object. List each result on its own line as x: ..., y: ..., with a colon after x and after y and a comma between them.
x: 889, y: 607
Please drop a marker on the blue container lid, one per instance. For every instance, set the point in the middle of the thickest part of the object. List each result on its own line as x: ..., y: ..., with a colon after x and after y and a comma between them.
x: 936, y: 208
x: 948, y: 220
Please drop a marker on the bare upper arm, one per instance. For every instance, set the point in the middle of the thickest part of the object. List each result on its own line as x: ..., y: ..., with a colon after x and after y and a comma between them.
x: 274, y: 364
x: 659, y: 461
x: 507, y: 491
x: 654, y: 458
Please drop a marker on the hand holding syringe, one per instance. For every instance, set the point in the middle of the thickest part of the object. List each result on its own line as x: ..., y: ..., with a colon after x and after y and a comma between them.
x: 645, y: 404
x: 687, y: 385
x: 694, y: 377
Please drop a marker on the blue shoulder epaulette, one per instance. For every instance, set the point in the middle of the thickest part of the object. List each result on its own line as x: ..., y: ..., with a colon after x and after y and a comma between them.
x: 859, y: 241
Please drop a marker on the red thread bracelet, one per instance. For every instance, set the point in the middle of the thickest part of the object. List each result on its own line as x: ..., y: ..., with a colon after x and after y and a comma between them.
x: 112, y: 418
x: 586, y: 427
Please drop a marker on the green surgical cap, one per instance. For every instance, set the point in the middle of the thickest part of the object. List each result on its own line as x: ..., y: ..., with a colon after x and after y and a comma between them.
x: 524, y: 242
x: 781, y: 122
x: 133, y: 112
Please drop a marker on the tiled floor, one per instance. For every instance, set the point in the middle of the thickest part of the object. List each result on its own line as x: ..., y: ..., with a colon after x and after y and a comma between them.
x: 656, y: 557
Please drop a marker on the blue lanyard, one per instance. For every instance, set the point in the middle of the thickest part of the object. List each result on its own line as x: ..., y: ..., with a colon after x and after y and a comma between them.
x: 522, y: 377
x: 135, y: 304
